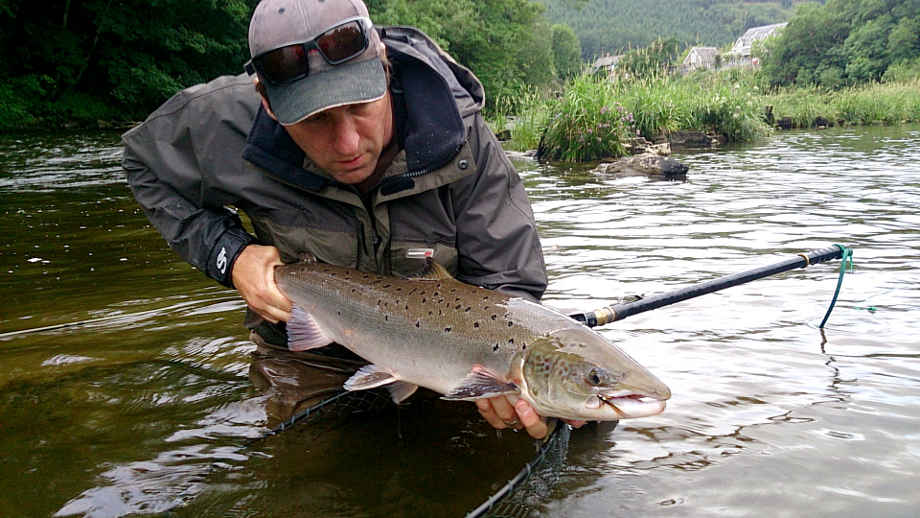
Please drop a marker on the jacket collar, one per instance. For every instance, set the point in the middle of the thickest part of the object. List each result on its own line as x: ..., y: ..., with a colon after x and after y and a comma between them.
x: 270, y: 147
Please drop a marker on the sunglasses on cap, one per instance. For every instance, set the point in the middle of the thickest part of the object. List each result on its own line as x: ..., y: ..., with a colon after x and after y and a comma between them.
x: 337, y: 44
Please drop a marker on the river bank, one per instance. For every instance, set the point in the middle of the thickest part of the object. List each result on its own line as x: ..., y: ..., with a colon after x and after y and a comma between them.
x: 593, y: 117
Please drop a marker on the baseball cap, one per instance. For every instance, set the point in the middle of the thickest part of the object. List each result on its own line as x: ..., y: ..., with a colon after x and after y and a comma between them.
x: 360, y: 78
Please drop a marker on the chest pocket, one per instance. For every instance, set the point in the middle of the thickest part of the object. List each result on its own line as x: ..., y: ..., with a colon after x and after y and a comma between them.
x: 332, y: 239
x: 405, y: 265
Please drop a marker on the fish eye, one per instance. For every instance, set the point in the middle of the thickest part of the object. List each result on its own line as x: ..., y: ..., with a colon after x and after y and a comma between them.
x: 594, y: 377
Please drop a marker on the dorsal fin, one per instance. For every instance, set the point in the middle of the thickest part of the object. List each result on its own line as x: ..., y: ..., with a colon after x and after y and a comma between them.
x: 433, y: 272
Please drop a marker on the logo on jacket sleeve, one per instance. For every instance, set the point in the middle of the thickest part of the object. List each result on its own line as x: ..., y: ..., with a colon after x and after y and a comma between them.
x: 222, y: 261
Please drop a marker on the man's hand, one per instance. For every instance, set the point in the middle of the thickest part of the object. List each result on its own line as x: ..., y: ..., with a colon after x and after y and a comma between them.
x: 254, y: 277
x: 512, y: 412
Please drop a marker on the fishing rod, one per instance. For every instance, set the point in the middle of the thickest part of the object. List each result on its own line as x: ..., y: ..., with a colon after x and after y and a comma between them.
x: 608, y: 314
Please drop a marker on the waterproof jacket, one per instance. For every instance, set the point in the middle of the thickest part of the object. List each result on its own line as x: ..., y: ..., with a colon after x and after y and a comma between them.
x: 212, y: 149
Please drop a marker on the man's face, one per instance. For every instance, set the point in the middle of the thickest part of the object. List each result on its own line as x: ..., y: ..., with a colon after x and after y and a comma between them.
x: 346, y: 141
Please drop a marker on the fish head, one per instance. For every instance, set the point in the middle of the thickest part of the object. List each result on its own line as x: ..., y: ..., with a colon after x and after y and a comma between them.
x: 575, y: 373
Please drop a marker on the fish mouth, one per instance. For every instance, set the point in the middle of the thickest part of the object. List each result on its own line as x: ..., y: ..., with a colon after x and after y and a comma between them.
x: 633, y: 405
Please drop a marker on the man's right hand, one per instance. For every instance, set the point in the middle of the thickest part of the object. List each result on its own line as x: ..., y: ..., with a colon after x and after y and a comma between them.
x: 254, y: 277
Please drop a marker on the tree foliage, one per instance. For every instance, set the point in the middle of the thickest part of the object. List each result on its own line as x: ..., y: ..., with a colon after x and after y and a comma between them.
x: 566, y: 51
x: 130, y: 55
x: 504, y: 42
x: 844, y: 42
x: 616, y: 26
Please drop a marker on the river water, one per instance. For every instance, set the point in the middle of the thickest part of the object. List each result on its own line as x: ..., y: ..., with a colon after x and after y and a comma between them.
x: 124, y: 382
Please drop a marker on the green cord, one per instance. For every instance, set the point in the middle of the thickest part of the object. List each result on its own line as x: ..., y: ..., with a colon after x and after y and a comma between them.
x: 846, y: 256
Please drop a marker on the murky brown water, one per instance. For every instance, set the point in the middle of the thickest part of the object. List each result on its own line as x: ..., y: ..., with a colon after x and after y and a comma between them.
x: 141, y: 403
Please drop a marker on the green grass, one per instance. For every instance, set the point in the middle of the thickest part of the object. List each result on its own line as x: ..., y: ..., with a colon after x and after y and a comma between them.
x: 593, y: 118
x: 874, y: 103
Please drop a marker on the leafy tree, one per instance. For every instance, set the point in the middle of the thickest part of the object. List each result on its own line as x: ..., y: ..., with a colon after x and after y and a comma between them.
x: 566, y: 51
x: 904, y: 40
x: 130, y: 53
x: 844, y: 42
x: 504, y: 42
x: 617, y: 26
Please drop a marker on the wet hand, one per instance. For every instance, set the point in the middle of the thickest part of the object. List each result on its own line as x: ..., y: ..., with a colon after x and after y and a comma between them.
x: 254, y: 278
x: 515, y: 413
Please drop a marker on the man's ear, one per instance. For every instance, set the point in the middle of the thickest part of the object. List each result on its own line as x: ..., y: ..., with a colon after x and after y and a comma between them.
x: 265, y: 104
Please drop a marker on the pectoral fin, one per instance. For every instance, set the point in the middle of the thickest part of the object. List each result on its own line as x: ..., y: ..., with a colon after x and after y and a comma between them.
x: 371, y: 376
x: 303, y: 332
x: 481, y: 383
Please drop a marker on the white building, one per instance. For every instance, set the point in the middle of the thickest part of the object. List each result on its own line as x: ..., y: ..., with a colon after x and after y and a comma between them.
x: 700, y: 57
x: 606, y: 63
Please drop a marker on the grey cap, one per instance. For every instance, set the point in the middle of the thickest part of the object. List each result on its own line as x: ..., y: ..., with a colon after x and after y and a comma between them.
x: 278, y: 23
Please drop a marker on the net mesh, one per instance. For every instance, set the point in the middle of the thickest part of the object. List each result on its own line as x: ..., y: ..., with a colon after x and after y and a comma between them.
x: 518, y: 497
x: 521, y: 495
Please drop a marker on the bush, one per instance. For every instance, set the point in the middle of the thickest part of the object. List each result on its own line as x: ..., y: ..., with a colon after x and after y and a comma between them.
x: 587, y: 122
x: 21, y: 97
x: 903, y: 71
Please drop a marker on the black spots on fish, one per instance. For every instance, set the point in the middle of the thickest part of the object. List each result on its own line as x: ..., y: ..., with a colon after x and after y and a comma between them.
x: 467, y: 310
x: 407, y: 307
x: 485, y: 299
x: 524, y: 346
x: 458, y: 306
x: 387, y: 286
x: 511, y: 341
x: 424, y: 300
x: 453, y: 290
x: 430, y: 313
x: 494, y: 317
x: 418, y: 323
x: 510, y: 324
x: 447, y: 329
x: 476, y: 324
x: 339, y: 313
x: 386, y: 317
x: 494, y: 348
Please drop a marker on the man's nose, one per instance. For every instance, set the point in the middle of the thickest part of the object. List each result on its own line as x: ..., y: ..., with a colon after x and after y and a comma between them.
x: 346, y: 135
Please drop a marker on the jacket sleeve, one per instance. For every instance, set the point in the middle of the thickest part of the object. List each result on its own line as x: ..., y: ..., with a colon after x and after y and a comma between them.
x: 497, y: 237
x: 172, y: 162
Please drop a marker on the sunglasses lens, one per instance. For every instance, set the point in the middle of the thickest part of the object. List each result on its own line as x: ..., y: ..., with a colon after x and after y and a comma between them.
x: 284, y: 64
x: 290, y: 63
x: 342, y: 43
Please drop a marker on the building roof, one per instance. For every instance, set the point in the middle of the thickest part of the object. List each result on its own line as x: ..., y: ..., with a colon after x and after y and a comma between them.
x: 743, y: 44
x: 705, y: 54
x: 607, y: 61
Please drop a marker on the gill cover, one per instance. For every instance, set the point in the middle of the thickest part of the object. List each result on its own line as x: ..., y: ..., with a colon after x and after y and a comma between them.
x: 575, y: 373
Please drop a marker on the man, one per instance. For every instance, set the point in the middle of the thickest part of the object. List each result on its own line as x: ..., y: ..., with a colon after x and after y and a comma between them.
x: 357, y: 145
